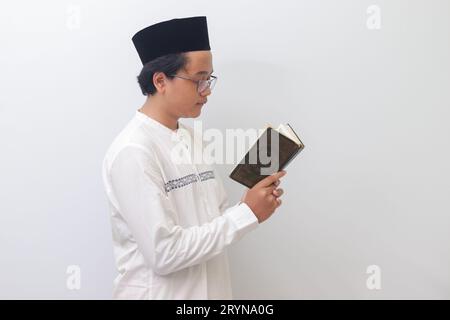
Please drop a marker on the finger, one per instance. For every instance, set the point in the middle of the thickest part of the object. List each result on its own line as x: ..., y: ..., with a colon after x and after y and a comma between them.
x: 278, y: 202
x: 273, y: 186
x: 270, y: 197
x: 270, y: 189
x: 278, y: 192
x: 271, y: 179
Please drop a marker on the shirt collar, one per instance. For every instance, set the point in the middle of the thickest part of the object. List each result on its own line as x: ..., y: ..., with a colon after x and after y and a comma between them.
x: 157, y: 125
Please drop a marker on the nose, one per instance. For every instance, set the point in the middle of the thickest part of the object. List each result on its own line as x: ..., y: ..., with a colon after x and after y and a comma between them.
x: 206, y: 93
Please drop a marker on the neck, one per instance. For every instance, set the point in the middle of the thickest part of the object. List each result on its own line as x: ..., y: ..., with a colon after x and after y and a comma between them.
x: 156, y: 110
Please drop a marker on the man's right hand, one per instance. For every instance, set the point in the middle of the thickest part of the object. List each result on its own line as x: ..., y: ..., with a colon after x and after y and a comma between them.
x: 263, y: 198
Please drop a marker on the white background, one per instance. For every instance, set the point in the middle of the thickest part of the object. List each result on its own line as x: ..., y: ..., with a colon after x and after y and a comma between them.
x: 372, y: 107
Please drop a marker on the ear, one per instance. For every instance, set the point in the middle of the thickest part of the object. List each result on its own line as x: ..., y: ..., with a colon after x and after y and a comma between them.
x: 160, y: 81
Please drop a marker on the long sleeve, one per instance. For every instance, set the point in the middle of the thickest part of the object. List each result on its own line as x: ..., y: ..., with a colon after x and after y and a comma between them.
x: 167, y: 247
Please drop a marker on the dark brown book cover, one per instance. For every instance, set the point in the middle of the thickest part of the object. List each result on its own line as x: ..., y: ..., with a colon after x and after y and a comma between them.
x: 248, y: 171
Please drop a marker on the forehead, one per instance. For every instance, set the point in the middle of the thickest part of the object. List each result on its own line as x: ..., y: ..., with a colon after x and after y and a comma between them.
x: 199, y: 62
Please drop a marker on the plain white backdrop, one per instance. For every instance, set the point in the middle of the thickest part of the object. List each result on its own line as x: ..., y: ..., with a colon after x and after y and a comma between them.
x: 372, y: 106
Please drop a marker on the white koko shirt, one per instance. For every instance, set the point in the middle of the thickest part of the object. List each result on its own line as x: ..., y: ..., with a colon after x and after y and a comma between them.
x: 170, y: 225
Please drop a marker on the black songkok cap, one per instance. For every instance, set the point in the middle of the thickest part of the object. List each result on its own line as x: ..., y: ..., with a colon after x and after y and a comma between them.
x: 172, y: 36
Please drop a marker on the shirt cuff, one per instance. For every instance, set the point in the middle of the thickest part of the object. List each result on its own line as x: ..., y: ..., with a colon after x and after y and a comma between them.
x: 244, y: 218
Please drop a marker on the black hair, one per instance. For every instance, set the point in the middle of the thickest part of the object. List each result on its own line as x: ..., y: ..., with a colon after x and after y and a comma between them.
x: 168, y: 64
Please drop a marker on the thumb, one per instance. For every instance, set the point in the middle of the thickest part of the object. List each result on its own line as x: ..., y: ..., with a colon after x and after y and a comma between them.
x: 267, y: 181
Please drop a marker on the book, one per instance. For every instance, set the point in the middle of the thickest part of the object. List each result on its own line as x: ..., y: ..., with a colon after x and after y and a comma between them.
x: 259, y: 163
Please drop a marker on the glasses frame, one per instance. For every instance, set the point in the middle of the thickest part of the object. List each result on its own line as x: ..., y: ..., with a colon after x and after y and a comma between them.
x: 210, y: 82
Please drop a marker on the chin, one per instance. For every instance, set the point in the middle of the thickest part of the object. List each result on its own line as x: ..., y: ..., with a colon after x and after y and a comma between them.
x: 196, y: 115
x: 196, y: 112
x: 192, y: 113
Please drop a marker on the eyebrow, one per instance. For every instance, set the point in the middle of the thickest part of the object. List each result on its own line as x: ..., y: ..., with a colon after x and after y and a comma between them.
x: 204, y: 72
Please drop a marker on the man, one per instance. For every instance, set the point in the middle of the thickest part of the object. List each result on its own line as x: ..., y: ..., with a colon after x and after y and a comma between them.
x: 170, y: 222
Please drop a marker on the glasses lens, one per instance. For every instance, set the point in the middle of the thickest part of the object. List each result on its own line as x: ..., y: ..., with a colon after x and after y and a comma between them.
x: 202, y: 85
x: 205, y: 84
x: 213, y: 83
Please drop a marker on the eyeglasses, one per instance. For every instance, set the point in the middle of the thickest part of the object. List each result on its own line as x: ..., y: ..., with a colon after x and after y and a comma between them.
x: 202, y: 85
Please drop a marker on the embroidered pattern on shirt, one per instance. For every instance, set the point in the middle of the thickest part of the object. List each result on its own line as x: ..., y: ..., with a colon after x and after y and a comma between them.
x: 186, y: 180
x: 206, y: 175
